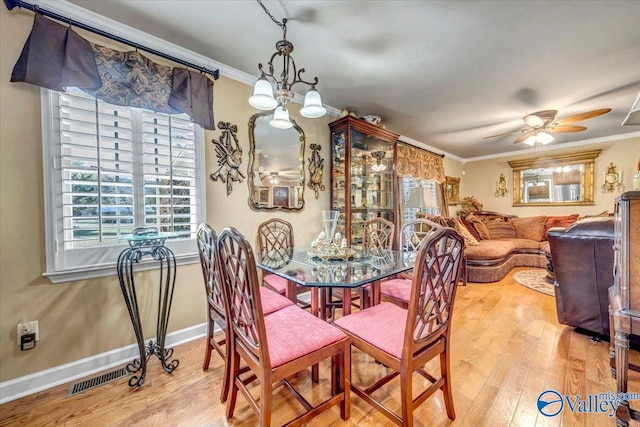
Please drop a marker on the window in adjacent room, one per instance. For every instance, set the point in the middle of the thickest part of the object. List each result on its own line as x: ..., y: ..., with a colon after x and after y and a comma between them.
x: 406, y: 184
x: 109, y: 169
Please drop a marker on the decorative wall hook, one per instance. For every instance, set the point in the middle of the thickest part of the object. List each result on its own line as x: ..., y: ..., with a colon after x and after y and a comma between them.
x: 229, y: 156
x: 501, y: 187
x: 316, y: 166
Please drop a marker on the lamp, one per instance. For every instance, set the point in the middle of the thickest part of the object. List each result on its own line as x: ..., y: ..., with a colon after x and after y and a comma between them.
x: 263, y: 95
x: 538, y: 138
x: 420, y: 198
x: 633, y: 118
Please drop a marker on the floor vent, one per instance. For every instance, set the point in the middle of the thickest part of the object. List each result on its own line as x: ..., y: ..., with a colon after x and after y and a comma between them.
x: 94, y: 382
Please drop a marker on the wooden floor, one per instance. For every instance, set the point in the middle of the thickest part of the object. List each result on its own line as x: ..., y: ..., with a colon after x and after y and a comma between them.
x: 507, y: 348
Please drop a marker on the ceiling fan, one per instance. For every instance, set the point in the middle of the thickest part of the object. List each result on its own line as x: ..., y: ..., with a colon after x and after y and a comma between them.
x: 539, y: 125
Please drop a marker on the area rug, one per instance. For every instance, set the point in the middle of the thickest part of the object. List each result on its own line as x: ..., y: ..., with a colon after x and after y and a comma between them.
x: 534, y: 279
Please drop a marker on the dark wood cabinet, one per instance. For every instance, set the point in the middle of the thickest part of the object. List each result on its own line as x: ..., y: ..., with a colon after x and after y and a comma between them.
x: 624, y: 295
x: 363, y: 174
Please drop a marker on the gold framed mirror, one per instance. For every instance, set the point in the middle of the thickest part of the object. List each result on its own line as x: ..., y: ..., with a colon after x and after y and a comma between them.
x: 276, y: 165
x: 561, y: 180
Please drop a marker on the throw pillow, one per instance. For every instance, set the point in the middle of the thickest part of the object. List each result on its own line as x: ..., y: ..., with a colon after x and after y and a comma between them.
x: 501, y: 230
x: 469, y: 228
x: 558, y: 221
x: 529, y: 227
x: 479, y: 226
x: 445, y: 222
x: 469, y: 240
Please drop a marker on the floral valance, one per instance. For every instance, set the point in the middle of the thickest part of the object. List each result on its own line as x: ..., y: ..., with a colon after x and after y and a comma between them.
x: 56, y: 57
x: 419, y: 163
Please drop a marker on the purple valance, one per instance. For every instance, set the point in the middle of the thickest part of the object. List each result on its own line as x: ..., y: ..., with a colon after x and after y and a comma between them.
x: 56, y: 57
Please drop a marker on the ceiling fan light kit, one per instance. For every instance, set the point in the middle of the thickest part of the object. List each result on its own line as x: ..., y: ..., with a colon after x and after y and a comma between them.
x: 264, y: 98
x: 540, y: 124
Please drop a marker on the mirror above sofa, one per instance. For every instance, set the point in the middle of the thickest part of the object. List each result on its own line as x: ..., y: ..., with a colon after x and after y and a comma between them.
x: 560, y: 180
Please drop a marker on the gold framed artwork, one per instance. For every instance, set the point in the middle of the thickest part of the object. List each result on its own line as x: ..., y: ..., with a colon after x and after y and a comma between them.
x: 453, y: 190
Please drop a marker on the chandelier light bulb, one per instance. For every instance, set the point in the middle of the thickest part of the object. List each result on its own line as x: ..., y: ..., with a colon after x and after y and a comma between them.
x: 281, y: 118
x: 313, y: 108
x: 262, y: 98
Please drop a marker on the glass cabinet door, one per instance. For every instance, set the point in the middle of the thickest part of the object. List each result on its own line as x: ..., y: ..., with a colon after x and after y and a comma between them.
x: 371, y: 172
x: 362, y: 174
x: 338, y: 178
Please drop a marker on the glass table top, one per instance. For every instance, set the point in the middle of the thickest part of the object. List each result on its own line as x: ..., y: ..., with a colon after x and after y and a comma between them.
x: 297, y: 265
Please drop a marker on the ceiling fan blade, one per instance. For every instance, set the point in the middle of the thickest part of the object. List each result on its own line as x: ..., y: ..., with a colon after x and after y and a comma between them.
x: 523, y: 137
x: 505, y: 134
x: 583, y: 116
x: 567, y: 128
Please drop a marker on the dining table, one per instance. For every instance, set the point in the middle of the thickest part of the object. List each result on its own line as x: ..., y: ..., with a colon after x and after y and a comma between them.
x: 363, y: 267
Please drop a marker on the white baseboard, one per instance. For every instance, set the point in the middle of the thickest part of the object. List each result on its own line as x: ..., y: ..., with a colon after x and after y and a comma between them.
x: 38, y: 381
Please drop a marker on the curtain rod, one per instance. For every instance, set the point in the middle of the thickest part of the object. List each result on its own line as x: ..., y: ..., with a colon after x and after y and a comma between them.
x: 37, y: 9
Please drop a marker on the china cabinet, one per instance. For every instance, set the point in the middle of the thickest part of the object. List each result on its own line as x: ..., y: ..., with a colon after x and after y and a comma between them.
x: 624, y: 296
x: 363, y: 167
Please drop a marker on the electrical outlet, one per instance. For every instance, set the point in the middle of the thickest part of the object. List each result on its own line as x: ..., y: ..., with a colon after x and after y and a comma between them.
x: 28, y: 327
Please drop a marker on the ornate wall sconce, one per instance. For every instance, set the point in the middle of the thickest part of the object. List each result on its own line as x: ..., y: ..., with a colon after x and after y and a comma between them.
x: 501, y: 187
x: 612, y: 179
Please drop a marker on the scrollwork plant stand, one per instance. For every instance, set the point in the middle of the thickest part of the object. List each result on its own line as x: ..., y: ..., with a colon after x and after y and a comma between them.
x: 140, y: 246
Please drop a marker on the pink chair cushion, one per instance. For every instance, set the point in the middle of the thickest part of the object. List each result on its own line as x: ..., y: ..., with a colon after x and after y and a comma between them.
x: 293, y: 333
x: 397, y: 288
x: 279, y: 284
x: 272, y: 301
x: 382, y: 325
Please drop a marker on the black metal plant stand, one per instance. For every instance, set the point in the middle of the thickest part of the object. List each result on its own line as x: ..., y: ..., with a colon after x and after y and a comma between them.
x: 148, y: 242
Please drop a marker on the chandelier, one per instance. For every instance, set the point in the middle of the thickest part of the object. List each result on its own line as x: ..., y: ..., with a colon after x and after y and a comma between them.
x: 264, y: 97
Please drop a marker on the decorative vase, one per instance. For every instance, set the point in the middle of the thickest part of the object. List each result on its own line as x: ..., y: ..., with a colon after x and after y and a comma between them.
x: 329, y: 224
x: 636, y: 181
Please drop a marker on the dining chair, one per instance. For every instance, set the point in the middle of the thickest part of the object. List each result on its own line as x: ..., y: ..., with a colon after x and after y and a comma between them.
x: 412, y: 234
x: 405, y: 340
x: 207, y: 248
x: 377, y: 234
x: 276, y: 346
x: 275, y: 240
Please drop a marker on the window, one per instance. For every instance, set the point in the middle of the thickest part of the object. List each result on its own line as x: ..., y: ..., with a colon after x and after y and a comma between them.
x: 113, y: 169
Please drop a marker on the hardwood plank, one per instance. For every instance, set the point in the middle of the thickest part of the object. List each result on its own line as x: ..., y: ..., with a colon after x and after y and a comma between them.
x: 507, y: 348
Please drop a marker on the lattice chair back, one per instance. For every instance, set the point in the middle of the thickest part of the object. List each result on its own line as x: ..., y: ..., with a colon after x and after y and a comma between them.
x: 275, y: 239
x: 207, y: 241
x: 413, y: 233
x: 242, y: 292
x: 436, y: 274
x: 378, y: 234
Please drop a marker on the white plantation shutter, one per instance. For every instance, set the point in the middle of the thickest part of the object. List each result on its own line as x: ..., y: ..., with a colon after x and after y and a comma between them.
x: 113, y: 169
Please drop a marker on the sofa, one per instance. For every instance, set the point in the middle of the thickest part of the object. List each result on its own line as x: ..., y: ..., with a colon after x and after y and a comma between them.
x: 506, y: 241
x: 583, y: 262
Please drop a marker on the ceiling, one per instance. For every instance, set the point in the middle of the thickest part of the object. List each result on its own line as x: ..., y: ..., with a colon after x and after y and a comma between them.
x: 445, y: 73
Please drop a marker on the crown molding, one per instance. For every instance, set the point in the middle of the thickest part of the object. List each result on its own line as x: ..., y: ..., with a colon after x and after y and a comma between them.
x: 552, y: 147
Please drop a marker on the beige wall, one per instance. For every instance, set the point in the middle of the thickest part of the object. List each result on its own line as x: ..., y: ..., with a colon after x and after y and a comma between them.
x: 85, y: 318
x: 481, y: 177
